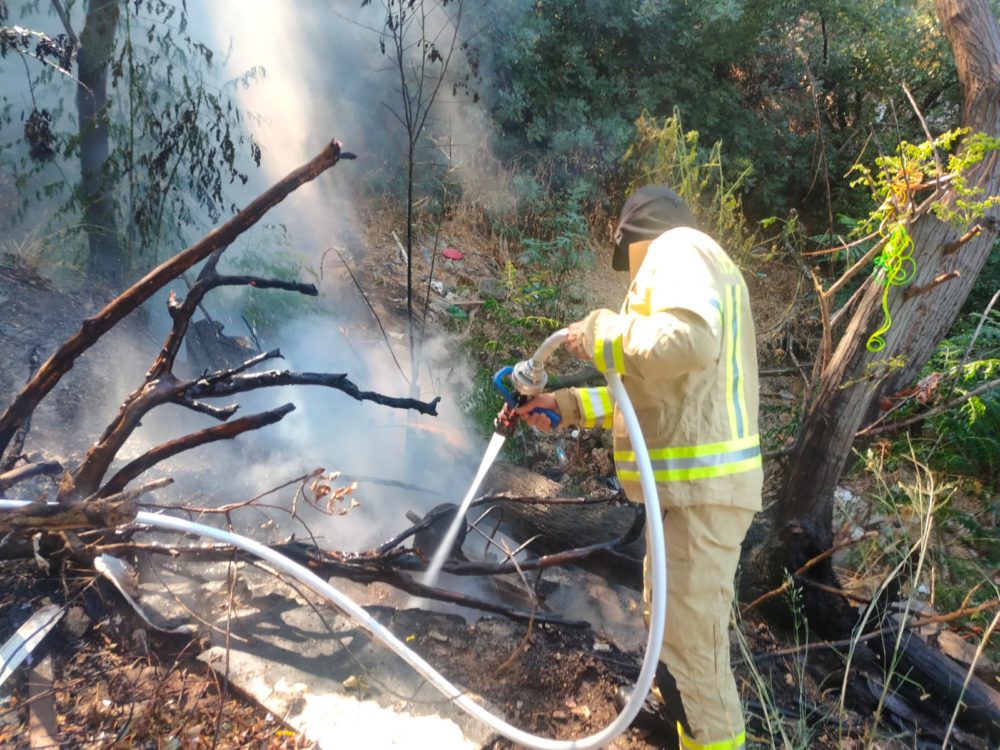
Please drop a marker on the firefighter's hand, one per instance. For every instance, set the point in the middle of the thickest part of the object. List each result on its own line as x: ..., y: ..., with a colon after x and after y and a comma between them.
x: 538, y: 419
x: 574, y: 341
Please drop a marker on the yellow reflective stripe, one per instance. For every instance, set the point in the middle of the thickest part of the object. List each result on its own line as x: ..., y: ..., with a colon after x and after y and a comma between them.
x: 739, y: 389
x: 696, y: 461
x: 735, y: 404
x: 609, y: 409
x: 697, y: 472
x: 588, y: 418
x: 739, y: 742
x: 690, y: 451
x: 610, y: 351
x: 595, y: 407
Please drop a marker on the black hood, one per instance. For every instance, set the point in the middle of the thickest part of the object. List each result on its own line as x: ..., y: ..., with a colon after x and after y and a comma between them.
x: 649, y: 212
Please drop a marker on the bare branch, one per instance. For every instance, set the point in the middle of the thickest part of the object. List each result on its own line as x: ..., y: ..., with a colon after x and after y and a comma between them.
x: 64, y: 20
x: 222, y: 413
x: 974, y: 231
x: 27, y: 471
x: 927, y: 130
x: 252, y: 381
x: 916, y: 291
x: 378, y: 321
x: 872, y: 430
x: 93, y: 328
x: 210, y: 435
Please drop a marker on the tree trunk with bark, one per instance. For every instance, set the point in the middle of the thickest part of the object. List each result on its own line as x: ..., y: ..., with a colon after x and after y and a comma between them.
x: 105, y: 259
x: 799, y: 526
x: 922, y: 313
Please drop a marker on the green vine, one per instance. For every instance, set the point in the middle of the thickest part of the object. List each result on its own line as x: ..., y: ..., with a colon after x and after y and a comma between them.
x: 898, y: 267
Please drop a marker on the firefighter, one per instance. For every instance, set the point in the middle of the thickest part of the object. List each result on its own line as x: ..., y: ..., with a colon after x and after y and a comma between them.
x: 683, y: 343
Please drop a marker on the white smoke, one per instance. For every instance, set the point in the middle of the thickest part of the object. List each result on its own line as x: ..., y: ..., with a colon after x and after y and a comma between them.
x: 318, y: 74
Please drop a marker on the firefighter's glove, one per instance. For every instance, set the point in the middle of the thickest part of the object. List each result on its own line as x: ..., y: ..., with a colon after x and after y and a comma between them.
x: 533, y: 411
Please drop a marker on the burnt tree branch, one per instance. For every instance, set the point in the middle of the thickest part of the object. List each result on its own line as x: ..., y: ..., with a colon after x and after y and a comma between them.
x: 224, y: 383
x: 27, y: 471
x: 209, y: 435
x: 16, y: 449
x: 214, y: 377
x: 182, y: 311
x: 326, y: 564
x: 60, y: 362
x: 222, y: 413
x: 338, y: 381
x: 100, y: 513
x: 90, y: 472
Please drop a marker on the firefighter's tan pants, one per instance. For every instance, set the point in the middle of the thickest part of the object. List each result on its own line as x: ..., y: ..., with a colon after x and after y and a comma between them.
x: 703, y: 551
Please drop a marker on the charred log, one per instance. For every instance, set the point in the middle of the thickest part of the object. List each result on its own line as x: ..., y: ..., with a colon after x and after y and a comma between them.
x: 927, y: 678
x: 919, y: 669
x: 98, y: 513
x: 41, y: 516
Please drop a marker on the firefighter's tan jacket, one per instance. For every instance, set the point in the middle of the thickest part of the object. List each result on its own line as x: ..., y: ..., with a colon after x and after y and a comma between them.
x: 685, y: 348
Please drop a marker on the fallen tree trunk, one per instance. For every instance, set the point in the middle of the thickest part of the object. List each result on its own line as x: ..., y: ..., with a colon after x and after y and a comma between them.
x: 533, y: 505
x: 106, y: 513
x: 932, y: 681
x: 95, y: 513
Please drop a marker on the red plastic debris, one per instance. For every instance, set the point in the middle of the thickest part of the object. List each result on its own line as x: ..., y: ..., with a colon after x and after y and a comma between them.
x: 452, y: 253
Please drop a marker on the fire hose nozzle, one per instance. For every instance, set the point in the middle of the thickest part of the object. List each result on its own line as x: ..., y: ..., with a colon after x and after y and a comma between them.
x: 528, y: 376
x: 527, y: 379
x: 505, y: 422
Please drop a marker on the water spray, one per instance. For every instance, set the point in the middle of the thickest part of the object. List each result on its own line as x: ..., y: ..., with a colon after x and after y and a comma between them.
x: 527, y: 374
x: 527, y: 379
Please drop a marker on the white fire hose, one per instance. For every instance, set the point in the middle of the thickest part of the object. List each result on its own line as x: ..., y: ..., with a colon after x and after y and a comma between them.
x: 656, y: 550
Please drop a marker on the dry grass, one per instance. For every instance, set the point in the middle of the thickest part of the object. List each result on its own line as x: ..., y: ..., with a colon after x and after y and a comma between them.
x: 118, y: 685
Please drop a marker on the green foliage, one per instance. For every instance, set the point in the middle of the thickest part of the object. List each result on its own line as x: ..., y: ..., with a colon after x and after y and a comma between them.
x: 567, y: 248
x: 504, y: 332
x: 664, y: 153
x: 265, y: 311
x: 510, y: 327
x: 176, y: 139
x: 896, y: 179
x: 971, y: 447
x: 788, y: 87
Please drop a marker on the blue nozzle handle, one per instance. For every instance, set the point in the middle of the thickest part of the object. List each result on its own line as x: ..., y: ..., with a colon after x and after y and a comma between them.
x: 554, y: 418
x: 509, y: 397
x: 502, y: 373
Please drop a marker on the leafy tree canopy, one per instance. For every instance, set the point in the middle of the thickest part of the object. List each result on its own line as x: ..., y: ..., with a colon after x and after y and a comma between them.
x: 793, y: 89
